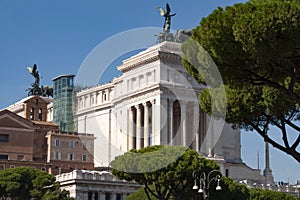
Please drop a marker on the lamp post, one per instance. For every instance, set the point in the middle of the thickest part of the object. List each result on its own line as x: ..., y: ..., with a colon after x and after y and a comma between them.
x: 204, y: 181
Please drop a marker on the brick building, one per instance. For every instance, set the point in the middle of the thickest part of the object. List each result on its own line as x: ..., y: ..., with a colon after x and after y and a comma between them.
x: 69, y: 151
x: 28, y: 139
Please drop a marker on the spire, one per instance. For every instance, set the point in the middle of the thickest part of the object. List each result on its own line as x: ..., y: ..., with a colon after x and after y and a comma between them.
x: 269, y: 179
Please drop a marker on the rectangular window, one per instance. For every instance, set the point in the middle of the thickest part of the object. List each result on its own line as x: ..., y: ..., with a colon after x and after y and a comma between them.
x: 107, y: 196
x: 20, y: 157
x: 71, y: 144
x: 119, y: 197
x: 3, y: 157
x: 32, y: 113
x: 83, y: 157
x: 57, y: 155
x: 3, y: 138
x: 57, y: 143
x: 84, y: 144
x: 71, y: 156
x: 40, y: 115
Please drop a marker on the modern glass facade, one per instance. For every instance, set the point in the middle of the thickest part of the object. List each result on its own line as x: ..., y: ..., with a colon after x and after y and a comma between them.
x: 63, y: 109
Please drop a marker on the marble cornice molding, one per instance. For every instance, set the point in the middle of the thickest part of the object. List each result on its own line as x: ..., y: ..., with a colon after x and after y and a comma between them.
x: 139, y: 60
x: 170, y: 58
x: 137, y: 95
x: 144, y: 96
x: 97, y: 88
x: 166, y: 52
x: 94, y: 108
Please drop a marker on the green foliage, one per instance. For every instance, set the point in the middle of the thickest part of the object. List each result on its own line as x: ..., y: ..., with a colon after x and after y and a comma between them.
x: 231, y: 190
x: 167, y: 169
x: 259, y: 194
x: 256, y: 48
x: 141, y: 195
x: 23, y: 183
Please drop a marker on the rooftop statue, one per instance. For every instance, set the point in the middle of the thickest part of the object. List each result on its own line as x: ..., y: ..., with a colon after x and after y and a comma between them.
x: 35, y: 73
x: 180, y: 36
x: 167, y: 15
x: 35, y: 87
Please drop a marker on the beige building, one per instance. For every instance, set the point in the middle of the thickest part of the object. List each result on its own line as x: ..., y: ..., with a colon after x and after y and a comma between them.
x: 69, y: 151
x: 20, y: 142
x: 28, y: 139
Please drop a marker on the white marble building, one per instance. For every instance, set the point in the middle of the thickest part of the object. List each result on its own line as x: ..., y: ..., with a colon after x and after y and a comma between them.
x: 154, y: 102
x: 95, y: 185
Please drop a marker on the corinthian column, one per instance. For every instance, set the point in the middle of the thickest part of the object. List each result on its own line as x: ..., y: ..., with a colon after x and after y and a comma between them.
x: 146, y: 125
x: 130, y: 134
x: 153, y: 123
x: 183, y: 125
x: 138, y: 127
x: 170, y: 131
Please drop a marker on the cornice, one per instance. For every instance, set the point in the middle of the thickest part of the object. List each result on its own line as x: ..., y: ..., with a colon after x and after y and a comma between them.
x: 167, y: 52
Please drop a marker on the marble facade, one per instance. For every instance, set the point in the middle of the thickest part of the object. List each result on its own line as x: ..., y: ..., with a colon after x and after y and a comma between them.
x: 155, y: 101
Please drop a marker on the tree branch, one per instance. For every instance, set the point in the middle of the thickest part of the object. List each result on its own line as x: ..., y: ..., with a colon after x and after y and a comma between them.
x: 292, y: 125
x: 284, y: 134
x: 264, y: 81
x: 289, y: 151
x: 296, y: 143
x: 147, y: 188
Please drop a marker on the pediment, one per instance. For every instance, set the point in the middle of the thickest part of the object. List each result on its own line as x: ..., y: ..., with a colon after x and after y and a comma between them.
x: 11, y: 120
x: 35, y: 98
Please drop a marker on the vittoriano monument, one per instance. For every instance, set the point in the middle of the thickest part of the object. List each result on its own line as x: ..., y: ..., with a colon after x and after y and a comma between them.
x: 35, y: 87
x: 180, y: 36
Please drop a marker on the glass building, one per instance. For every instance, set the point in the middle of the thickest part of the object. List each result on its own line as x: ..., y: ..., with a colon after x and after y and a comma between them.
x: 63, y: 107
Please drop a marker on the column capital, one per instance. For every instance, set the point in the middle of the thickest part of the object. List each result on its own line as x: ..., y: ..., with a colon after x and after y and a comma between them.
x: 131, y: 108
x: 171, y: 100
x: 183, y: 102
x: 146, y: 104
x: 152, y: 101
x: 138, y: 106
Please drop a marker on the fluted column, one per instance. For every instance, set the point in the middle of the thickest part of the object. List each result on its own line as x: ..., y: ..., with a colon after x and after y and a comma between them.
x: 85, y: 195
x: 102, y: 196
x: 138, y: 127
x: 171, y: 142
x: 196, y: 120
x: 100, y: 98
x: 146, y: 125
x: 183, y: 121
x: 153, y: 118
x: 94, y: 99
x: 131, y: 131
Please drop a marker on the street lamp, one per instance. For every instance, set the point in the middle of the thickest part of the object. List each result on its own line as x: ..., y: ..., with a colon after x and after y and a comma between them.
x: 205, y: 181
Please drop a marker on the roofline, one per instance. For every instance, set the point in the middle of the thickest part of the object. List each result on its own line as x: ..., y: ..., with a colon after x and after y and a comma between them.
x: 64, y: 75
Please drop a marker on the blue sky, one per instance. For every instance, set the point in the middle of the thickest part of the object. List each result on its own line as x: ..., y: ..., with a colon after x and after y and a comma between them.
x: 57, y: 35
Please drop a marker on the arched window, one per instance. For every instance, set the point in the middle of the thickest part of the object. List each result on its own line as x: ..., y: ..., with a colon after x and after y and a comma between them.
x: 40, y: 114
x: 176, y: 122
x: 32, y: 113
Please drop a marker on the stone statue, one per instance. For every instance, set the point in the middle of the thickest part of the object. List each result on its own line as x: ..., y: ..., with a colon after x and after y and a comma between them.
x: 35, y: 87
x: 167, y: 15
